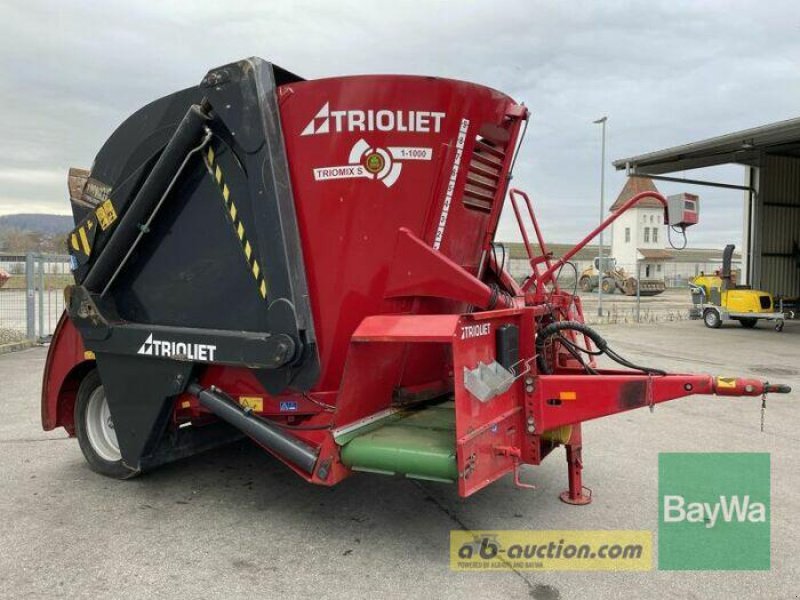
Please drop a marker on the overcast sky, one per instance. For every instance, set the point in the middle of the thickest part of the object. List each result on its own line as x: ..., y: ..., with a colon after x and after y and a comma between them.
x: 665, y: 73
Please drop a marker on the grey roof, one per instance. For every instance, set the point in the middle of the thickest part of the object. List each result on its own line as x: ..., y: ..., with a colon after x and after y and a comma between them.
x: 517, y: 250
x: 687, y: 255
x: 743, y: 147
x: 700, y: 255
x: 655, y: 253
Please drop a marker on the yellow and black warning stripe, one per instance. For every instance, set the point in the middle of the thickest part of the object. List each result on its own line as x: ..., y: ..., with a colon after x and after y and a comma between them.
x: 238, y: 226
x: 81, y: 239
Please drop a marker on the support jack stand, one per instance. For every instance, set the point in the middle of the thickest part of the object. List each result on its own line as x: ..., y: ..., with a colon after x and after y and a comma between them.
x: 577, y: 494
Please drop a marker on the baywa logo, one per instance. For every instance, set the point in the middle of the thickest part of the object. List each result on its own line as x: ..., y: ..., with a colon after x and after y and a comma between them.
x: 337, y: 121
x: 368, y: 162
x: 729, y: 508
x: 177, y: 350
x: 714, y: 511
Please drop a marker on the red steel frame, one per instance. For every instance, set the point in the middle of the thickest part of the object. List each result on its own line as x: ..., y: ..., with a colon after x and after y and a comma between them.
x: 410, y: 333
x: 521, y: 426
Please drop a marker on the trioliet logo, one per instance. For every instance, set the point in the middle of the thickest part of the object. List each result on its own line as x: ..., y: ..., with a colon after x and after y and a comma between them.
x: 473, y: 331
x: 178, y: 350
x: 409, y: 121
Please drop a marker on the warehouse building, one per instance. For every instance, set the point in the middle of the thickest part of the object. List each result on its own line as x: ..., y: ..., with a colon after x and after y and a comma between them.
x: 676, y: 267
x: 771, y: 157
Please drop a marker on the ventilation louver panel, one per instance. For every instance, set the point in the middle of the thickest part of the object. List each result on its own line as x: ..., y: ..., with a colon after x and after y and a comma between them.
x: 483, y: 175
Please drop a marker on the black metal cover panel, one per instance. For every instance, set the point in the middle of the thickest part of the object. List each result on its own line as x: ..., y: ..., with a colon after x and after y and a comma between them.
x: 222, y: 251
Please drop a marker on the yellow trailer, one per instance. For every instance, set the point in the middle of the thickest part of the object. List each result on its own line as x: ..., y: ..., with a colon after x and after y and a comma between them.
x: 716, y: 299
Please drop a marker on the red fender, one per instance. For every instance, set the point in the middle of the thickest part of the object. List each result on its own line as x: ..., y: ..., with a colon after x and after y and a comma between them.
x: 67, y: 364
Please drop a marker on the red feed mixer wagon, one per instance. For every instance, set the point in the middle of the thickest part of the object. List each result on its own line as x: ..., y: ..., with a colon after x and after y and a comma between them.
x: 311, y: 264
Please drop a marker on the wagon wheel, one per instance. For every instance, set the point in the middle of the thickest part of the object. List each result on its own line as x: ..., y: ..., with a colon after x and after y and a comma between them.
x: 95, y: 431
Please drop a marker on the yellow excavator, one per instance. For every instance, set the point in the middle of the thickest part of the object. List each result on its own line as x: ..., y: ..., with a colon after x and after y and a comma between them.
x: 716, y: 299
x: 617, y: 279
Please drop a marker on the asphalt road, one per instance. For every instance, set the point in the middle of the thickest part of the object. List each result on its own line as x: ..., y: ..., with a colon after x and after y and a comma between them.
x: 235, y: 523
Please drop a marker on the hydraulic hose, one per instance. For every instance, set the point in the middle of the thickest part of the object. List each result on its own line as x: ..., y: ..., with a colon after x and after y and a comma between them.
x: 553, y: 328
x: 575, y: 350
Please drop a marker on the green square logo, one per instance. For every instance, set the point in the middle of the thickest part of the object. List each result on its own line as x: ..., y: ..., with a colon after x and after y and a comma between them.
x: 714, y: 511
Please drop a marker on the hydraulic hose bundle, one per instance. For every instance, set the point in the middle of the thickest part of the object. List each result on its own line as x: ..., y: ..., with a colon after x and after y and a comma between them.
x: 576, y: 350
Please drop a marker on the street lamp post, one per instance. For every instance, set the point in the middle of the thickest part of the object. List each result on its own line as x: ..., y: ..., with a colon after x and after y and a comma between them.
x: 602, y: 121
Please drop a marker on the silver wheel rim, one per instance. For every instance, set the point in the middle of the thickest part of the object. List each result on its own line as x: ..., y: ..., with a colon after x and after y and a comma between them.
x: 711, y: 317
x: 100, y: 427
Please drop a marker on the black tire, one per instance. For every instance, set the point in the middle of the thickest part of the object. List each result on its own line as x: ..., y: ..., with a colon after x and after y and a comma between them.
x: 748, y: 322
x: 100, y: 460
x: 608, y: 286
x: 712, y: 319
x: 586, y: 284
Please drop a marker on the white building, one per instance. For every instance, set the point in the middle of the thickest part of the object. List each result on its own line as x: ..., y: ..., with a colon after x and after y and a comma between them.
x: 639, y: 234
x: 638, y: 239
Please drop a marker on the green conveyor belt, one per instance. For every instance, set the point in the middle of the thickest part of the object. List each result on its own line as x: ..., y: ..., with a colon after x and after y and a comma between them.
x: 419, y: 444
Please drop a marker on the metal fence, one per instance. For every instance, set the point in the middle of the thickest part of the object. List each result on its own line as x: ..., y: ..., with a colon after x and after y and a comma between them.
x: 32, y: 300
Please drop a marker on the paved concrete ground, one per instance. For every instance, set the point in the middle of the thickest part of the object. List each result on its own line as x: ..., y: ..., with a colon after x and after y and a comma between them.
x: 235, y: 523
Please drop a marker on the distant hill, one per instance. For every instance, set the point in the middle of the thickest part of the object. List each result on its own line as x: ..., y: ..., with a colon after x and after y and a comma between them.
x: 44, y: 224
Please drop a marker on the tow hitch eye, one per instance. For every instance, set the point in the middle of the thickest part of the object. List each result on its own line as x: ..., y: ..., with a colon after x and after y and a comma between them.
x: 777, y: 388
x: 739, y: 386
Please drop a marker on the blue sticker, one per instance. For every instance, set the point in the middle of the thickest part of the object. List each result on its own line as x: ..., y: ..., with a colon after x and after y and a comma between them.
x: 73, y: 263
x: 288, y: 406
